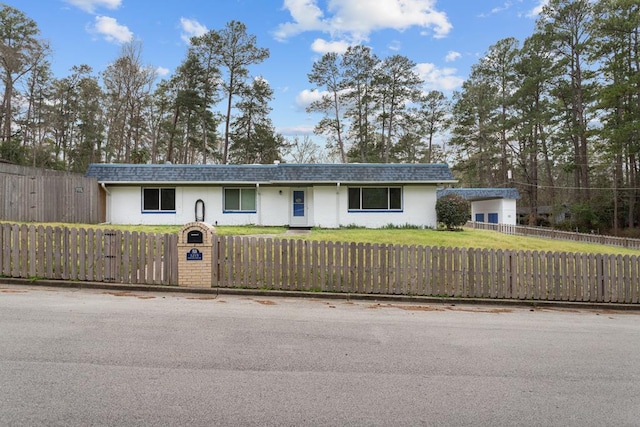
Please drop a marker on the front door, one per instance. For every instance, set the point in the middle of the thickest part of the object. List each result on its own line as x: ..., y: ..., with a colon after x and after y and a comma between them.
x: 298, y: 208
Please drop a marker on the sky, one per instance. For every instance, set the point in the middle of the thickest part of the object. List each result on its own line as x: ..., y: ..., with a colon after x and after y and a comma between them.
x: 443, y: 37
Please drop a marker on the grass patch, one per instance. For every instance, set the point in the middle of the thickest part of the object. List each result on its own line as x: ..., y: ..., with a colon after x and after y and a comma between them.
x: 222, y: 230
x: 467, y: 238
x: 403, y: 235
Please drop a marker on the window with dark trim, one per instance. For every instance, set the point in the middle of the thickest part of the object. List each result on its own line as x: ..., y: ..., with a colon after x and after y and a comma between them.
x: 240, y: 200
x: 375, y: 198
x: 159, y: 199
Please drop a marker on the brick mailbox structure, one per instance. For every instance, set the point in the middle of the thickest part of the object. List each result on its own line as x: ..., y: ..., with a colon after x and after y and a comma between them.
x: 195, y: 255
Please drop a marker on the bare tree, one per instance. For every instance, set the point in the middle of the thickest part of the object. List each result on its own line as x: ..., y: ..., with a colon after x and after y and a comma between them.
x: 304, y: 151
x: 127, y: 85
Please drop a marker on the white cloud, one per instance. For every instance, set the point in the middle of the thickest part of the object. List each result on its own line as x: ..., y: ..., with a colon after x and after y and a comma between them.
x: 395, y: 45
x: 435, y: 78
x: 162, y: 71
x: 90, y: 6
x: 452, y: 55
x: 356, y: 19
x: 306, y: 97
x: 533, y: 13
x: 506, y: 6
x: 295, y: 130
x: 111, y: 30
x: 307, y: 16
x: 191, y: 28
x: 323, y: 46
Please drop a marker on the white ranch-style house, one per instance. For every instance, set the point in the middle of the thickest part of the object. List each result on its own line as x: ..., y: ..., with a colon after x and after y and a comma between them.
x: 294, y: 195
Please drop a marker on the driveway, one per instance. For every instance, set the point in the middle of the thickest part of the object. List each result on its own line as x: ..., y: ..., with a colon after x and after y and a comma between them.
x: 91, y: 357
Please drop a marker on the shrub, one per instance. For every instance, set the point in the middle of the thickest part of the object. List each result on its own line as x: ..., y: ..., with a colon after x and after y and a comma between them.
x: 406, y: 226
x: 452, y: 211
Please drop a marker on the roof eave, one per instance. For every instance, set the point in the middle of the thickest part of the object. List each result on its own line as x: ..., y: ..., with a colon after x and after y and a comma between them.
x: 333, y: 182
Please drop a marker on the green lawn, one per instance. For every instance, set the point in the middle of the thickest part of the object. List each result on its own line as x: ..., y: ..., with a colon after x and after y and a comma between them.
x: 466, y: 238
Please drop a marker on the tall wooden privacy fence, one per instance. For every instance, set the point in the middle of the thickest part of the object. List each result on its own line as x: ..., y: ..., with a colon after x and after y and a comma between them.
x: 87, y: 255
x: 301, y: 265
x: 36, y: 195
x: 426, y: 271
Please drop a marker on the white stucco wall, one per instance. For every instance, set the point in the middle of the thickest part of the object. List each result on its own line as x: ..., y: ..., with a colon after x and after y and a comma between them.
x: 505, y: 208
x: 418, y: 208
x: 273, y: 205
x: 326, y: 207
x: 509, y: 212
x: 327, y: 200
x: 124, y: 206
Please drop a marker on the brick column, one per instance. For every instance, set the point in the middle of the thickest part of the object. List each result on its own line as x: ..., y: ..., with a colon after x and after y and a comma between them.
x: 195, y: 255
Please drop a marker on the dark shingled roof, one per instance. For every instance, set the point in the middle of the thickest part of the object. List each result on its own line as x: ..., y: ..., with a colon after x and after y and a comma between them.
x: 473, y: 194
x: 272, y: 174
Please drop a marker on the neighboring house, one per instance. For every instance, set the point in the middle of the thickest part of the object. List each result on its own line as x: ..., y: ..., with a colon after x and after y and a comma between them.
x: 492, y: 205
x: 296, y: 195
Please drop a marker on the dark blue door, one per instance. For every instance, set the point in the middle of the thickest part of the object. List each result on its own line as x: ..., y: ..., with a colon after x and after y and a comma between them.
x: 479, y: 217
x: 493, y: 218
x: 298, y: 203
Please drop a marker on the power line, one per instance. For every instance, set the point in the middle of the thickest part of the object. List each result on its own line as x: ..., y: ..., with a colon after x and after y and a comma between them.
x: 525, y: 184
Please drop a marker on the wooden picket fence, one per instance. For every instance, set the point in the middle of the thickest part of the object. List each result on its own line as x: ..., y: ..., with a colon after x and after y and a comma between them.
x: 424, y: 271
x: 550, y: 233
x: 79, y: 254
x: 87, y: 255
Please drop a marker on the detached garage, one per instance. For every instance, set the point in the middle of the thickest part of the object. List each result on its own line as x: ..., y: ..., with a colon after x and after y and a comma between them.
x: 492, y: 205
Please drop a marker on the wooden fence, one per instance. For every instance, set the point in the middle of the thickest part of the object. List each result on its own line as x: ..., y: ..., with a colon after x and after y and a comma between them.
x: 301, y: 265
x: 550, y: 233
x: 425, y: 271
x: 87, y: 255
x: 35, y: 195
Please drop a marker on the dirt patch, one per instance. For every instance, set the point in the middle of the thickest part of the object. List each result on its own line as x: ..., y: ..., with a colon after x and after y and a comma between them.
x: 120, y: 294
x: 441, y: 308
x: 13, y: 291
x: 265, y: 302
x: 482, y: 310
x: 420, y: 308
x: 145, y: 296
x: 620, y: 312
x: 555, y: 309
x: 375, y: 306
x: 203, y: 298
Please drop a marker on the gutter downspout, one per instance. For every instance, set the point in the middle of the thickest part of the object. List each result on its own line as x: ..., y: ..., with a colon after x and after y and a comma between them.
x: 259, y: 203
x: 337, y: 205
x: 108, y: 200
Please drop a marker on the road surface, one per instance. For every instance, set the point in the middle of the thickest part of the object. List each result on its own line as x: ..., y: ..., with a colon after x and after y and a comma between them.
x: 90, y: 357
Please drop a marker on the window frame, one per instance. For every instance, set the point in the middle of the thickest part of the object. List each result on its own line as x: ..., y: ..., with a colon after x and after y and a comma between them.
x: 240, y: 199
x: 361, y: 202
x: 160, y: 209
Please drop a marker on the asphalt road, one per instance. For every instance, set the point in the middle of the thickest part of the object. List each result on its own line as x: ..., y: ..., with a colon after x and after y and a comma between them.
x: 89, y: 357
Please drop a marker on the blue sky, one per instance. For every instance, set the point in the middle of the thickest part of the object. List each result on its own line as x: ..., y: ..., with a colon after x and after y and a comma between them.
x: 443, y: 37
